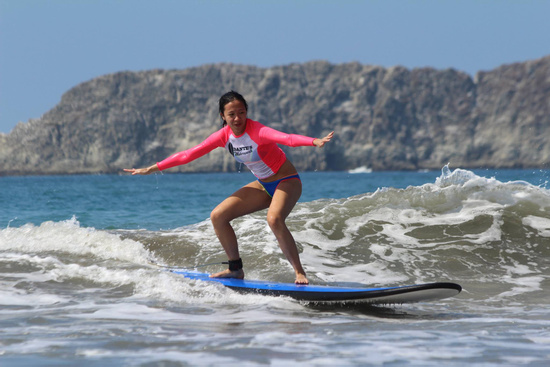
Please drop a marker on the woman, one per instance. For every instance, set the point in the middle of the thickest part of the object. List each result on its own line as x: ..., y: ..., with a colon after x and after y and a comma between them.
x: 277, y: 189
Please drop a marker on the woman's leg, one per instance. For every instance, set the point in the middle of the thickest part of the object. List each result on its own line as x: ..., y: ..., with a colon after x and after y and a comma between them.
x: 285, y: 198
x: 246, y: 200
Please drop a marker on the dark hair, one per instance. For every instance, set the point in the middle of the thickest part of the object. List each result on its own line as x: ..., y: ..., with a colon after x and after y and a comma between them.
x: 228, y: 98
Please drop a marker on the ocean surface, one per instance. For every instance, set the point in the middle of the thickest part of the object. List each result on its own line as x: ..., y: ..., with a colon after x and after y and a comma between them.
x: 78, y: 286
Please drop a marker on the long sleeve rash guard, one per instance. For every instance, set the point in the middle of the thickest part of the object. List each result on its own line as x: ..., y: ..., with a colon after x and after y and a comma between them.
x: 256, y: 148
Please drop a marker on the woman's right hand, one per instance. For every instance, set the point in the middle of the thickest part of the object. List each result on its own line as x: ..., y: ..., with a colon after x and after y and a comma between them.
x: 142, y: 171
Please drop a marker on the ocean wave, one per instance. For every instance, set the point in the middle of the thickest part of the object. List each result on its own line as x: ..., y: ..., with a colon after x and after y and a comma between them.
x: 463, y: 226
x: 70, y: 238
x: 480, y: 232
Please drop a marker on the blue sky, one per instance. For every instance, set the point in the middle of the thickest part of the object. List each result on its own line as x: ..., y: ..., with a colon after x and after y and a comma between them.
x: 49, y: 46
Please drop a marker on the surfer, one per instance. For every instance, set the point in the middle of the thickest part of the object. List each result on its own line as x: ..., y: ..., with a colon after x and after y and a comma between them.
x: 277, y: 188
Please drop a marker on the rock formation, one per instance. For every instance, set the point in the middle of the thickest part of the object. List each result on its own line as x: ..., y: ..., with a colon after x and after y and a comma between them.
x: 384, y: 118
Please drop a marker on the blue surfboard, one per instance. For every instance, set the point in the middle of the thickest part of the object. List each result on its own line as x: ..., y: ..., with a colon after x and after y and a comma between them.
x: 328, y: 294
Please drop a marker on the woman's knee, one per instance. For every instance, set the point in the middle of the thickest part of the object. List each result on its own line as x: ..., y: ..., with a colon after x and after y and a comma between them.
x: 275, y: 222
x: 218, y: 216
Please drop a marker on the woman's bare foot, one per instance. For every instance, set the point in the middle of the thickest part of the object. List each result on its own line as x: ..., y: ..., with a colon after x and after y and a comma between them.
x: 301, y: 279
x: 237, y: 274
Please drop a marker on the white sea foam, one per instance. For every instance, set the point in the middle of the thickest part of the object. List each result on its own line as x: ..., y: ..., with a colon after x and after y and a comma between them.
x: 69, y: 237
x: 542, y: 225
x: 144, y: 283
x: 19, y: 297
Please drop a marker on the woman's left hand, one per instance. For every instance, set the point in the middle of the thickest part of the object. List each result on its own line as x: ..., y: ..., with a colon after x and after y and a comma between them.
x: 321, y: 142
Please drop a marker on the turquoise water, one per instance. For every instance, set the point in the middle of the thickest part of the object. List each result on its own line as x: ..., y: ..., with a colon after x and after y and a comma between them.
x: 77, y: 285
x: 173, y: 200
x: 161, y: 201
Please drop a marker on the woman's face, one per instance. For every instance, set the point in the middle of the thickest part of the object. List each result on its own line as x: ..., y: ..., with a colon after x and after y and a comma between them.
x: 234, y: 114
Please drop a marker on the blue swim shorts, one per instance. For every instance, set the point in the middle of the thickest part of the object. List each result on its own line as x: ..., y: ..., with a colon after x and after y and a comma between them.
x: 270, y: 187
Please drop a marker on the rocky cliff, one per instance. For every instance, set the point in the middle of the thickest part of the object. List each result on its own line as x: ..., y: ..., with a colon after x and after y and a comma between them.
x: 384, y: 118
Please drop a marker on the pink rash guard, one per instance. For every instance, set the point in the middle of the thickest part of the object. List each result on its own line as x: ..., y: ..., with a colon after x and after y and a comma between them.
x: 256, y: 148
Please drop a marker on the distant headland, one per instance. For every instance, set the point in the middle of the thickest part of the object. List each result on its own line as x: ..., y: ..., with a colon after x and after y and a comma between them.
x: 385, y: 118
